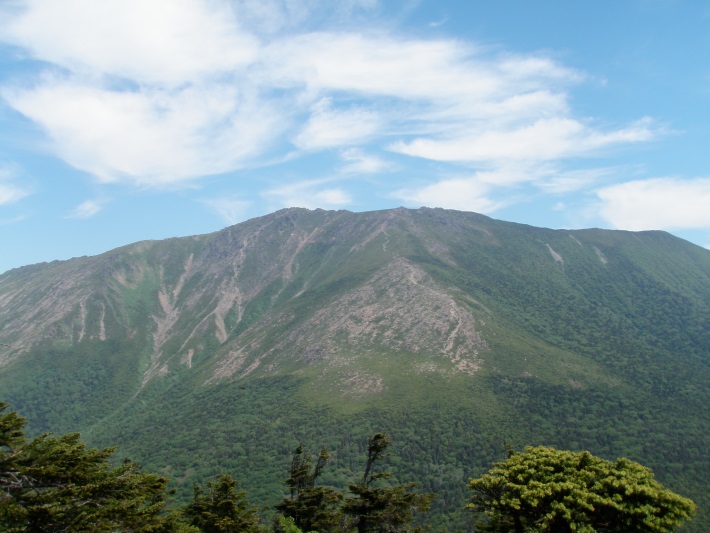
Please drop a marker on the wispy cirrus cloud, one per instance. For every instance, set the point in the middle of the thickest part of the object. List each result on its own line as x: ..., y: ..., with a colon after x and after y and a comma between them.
x: 10, y: 193
x: 230, y: 209
x: 556, y: 181
x: 10, y: 190
x: 357, y: 161
x: 506, y: 184
x: 167, y: 92
x: 328, y: 127
x: 309, y: 194
x: 162, y: 92
x: 546, y: 139
x: 86, y: 209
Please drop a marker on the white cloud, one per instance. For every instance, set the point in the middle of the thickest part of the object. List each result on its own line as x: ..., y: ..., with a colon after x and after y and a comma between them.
x: 152, y: 137
x: 231, y: 210
x: 543, y: 140
x: 478, y: 192
x: 310, y: 194
x: 272, y: 16
x: 359, y: 162
x: 563, y: 182
x: 160, y: 92
x: 328, y: 127
x: 161, y: 41
x: 481, y: 192
x: 332, y: 197
x: 464, y: 194
x: 10, y: 192
x: 86, y: 209
x: 661, y: 203
x: 408, y: 69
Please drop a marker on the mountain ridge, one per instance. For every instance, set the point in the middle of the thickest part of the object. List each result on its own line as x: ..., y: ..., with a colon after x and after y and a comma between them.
x: 413, y: 318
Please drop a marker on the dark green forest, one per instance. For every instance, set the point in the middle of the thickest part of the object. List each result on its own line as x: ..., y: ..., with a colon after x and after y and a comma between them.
x: 56, y: 483
x: 439, y: 439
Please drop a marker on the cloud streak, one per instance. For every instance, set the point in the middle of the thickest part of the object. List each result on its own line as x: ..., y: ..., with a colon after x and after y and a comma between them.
x: 546, y: 139
x: 231, y: 210
x: 331, y: 128
x: 86, y: 209
x: 10, y: 191
x: 164, y: 92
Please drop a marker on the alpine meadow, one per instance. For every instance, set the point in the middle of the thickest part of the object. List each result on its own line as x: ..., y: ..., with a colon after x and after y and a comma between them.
x: 458, y: 336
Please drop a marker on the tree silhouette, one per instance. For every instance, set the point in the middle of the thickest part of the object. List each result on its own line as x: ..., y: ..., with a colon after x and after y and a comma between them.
x: 376, y: 508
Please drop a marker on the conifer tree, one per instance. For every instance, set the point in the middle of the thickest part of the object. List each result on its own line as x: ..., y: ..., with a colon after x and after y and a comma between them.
x: 376, y: 508
x: 58, y: 484
x: 312, y: 508
x: 222, y: 508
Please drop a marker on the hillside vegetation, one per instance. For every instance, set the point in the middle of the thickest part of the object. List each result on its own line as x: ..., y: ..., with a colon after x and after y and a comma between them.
x: 455, y: 333
x: 55, y: 483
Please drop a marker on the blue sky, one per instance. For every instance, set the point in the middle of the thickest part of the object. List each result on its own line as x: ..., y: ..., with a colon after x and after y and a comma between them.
x: 127, y: 120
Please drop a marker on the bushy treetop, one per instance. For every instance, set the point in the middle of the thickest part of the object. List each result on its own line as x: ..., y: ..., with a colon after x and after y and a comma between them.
x: 544, y: 489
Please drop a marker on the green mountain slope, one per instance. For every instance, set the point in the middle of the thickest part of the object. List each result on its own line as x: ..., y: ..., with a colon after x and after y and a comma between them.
x: 454, y: 332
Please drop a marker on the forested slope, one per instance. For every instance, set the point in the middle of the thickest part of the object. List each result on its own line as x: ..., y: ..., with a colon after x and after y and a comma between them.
x: 454, y: 333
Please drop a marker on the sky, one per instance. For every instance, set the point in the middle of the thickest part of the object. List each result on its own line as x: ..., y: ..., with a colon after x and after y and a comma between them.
x: 129, y: 120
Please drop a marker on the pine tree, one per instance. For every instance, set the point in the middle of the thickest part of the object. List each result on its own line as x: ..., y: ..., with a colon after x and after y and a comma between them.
x: 58, y: 484
x: 376, y: 508
x: 312, y: 508
x: 222, y: 508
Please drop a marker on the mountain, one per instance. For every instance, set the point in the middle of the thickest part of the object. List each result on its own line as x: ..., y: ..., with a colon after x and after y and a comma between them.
x: 456, y: 333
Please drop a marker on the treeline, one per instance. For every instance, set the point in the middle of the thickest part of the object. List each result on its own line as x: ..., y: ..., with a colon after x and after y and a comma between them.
x: 58, y: 484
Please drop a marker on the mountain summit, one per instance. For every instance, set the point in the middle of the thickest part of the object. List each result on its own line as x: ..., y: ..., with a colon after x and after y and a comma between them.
x: 455, y: 332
